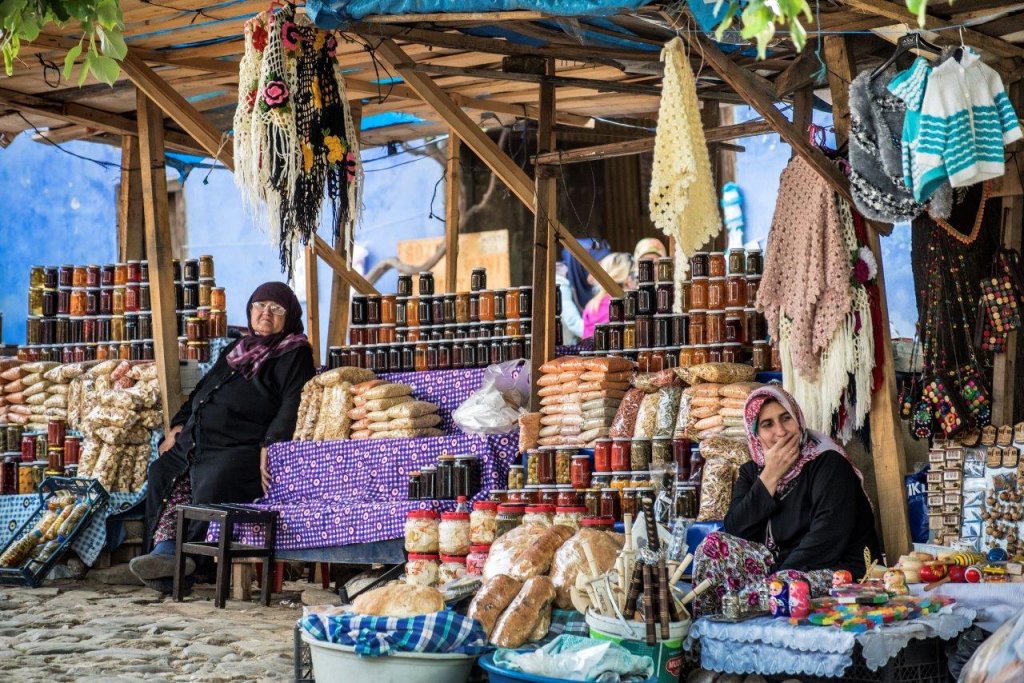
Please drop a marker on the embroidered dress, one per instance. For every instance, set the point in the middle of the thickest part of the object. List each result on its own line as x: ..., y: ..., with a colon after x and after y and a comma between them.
x: 966, y: 120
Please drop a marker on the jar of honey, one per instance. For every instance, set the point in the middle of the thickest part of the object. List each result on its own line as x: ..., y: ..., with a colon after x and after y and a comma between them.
x: 700, y: 354
x: 755, y: 262
x: 755, y: 324
x: 736, y: 291
x: 714, y: 332
x: 697, y: 327
x: 776, y: 358
x: 716, y: 264
x: 699, y: 265
x: 761, y: 358
x: 734, y: 326
x: 78, y: 297
x: 715, y: 353
x: 699, y: 293
x: 685, y: 356
x: 737, y: 262
x: 666, y: 269
x: 716, y: 293
x: 732, y: 353
x: 753, y: 284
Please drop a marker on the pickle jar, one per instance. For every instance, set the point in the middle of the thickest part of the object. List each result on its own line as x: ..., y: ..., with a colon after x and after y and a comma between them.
x: 661, y: 450
x: 563, y: 465
x: 639, y: 455
x: 421, y: 531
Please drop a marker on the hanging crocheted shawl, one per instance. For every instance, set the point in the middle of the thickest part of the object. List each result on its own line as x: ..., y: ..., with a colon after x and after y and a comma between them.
x: 807, y: 266
x: 683, y: 203
x: 295, y: 141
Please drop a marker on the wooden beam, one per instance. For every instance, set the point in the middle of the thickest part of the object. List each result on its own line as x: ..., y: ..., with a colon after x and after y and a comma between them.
x: 542, y: 342
x: 802, y: 72
x: 517, y: 181
x: 331, y: 257
x: 591, y: 83
x: 96, y: 119
x: 760, y: 95
x: 215, y: 143
x: 644, y: 145
x: 453, y: 180
x: 898, y: 12
x: 312, y: 300
x: 341, y: 291
x: 131, y: 222
x: 803, y: 109
x: 887, y: 448
x: 159, y: 254
x: 171, y: 58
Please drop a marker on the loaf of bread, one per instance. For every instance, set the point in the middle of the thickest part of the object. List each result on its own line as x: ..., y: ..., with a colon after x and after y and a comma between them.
x: 570, y: 559
x: 399, y: 600
x: 525, y: 551
x: 540, y: 631
x: 492, y: 599
x: 521, y: 618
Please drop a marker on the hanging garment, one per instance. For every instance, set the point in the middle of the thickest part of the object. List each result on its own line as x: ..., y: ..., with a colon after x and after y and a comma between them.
x: 807, y: 266
x: 683, y: 204
x: 877, y: 121
x: 966, y: 120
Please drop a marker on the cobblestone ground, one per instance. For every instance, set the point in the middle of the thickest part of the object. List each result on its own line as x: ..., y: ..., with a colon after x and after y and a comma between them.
x: 90, y: 631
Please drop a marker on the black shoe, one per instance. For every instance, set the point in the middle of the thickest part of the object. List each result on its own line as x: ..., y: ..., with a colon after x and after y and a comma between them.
x: 154, y: 566
x: 165, y: 586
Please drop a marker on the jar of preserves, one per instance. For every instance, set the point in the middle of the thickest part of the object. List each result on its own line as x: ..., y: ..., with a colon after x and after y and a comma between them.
x: 477, y: 558
x: 644, y: 327
x: 611, y: 504
x: 699, y: 265
x: 681, y: 457
x: 581, y: 471
x: 761, y: 356
x: 685, y: 501
x: 700, y: 354
x: 454, y: 533
x: 548, y: 495
x: 755, y: 262
x: 776, y: 359
x: 716, y: 264
x: 697, y: 327
x: 715, y: 327
x: 525, y: 302
x: 516, y: 477
x: 665, y: 295
x: 737, y: 262
x: 78, y: 278
x: 189, y: 270
x: 715, y: 353
x: 602, y: 455
x: 646, y: 299
x: 666, y: 269
x: 732, y: 353
x: 734, y: 326
x: 615, y: 336
x: 421, y: 532
x: 421, y: 569
x: 629, y: 506
x: 37, y: 277
x: 545, y: 466
x: 736, y: 291
x: 539, y: 514
x: 77, y: 302
x: 117, y: 301
x: 685, y: 356
x: 620, y: 480
x: 482, y: 522
x: 663, y: 331
x: 510, y: 515
x: 620, y: 455
x: 639, y: 455
x: 752, y: 285
x: 426, y: 283
x: 570, y: 515
x: 699, y: 293
x: 716, y: 293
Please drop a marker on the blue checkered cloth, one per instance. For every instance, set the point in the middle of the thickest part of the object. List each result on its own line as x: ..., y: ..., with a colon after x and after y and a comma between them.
x: 440, y: 633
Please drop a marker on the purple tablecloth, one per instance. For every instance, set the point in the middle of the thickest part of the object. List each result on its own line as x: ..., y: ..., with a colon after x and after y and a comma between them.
x: 333, y: 493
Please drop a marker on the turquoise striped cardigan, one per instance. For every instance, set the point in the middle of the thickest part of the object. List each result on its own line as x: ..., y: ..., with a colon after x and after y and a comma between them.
x: 964, y: 122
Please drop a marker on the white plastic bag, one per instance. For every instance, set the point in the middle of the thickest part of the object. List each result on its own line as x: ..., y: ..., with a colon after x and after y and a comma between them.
x: 495, y: 407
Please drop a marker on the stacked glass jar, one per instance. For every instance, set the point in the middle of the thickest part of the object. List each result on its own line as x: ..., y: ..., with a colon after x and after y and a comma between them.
x: 83, y: 313
x: 430, y: 331
x: 29, y: 457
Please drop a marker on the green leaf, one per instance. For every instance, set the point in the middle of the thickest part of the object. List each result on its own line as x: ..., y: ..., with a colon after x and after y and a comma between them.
x: 106, y: 69
x: 727, y: 20
x: 29, y: 28
x: 69, y: 60
x: 919, y: 8
x: 86, y: 67
x: 108, y: 14
x: 112, y: 44
x: 797, y: 34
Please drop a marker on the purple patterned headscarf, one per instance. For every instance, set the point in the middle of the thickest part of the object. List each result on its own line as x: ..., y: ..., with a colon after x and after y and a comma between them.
x: 254, y: 350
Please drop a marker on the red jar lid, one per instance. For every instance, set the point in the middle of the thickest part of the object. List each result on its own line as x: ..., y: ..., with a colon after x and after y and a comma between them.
x: 571, y: 509
x: 455, y: 516
x: 598, y: 521
x: 421, y: 514
x: 485, y: 505
x: 513, y: 508
x: 541, y: 509
x: 418, y: 556
x: 460, y: 559
x: 480, y: 548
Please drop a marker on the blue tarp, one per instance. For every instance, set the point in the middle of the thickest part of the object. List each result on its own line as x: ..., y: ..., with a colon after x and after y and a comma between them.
x: 334, y: 14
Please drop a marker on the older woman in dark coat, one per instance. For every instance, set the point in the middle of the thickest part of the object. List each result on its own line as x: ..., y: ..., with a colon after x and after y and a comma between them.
x: 215, y: 451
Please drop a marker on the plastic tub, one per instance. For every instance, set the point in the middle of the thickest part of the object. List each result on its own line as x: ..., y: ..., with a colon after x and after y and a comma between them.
x: 340, y: 664
x: 496, y: 674
x: 667, y: 654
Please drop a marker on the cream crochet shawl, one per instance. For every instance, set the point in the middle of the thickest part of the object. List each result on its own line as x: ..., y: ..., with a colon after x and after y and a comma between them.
x: 683, y: 203
x: 807, y: 267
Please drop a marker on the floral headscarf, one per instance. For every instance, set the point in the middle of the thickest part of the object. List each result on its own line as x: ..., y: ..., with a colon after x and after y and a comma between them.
x: 812, y: 443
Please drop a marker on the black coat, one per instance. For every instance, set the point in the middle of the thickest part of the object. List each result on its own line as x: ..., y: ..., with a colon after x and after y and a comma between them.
x: 823, y: 522
x: 225, y: 422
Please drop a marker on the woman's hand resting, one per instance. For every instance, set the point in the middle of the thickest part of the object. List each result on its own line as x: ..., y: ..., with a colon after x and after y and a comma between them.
x: 778, y: 459
x: 169, y: 439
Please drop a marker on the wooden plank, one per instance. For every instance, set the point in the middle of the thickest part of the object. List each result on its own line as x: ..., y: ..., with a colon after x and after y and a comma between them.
x: 312, y: 301
x: 487, y: 249
x: 542, y: 342
x: 643, y: 145
x: 760, y: 95
x: 508, y: 172
x: 803, y: 109
x: 341, y: 291
x: 887, y: 448
x: 331, y: 257
x: 898, y: 12
x: 223, y: 66
x: 594, y: 84
x: 453, y: 180
x: 159, y: 254
x: 216, y: 144
x: 131, y: 222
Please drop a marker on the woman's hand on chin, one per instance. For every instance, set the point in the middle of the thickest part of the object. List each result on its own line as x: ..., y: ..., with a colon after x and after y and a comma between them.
x: 778, y: 459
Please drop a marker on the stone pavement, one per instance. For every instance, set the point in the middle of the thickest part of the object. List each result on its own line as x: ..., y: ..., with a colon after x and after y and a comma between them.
x: 89, y: 631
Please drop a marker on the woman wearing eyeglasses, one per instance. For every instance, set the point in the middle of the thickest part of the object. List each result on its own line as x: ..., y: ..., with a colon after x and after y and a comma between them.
x: 216, y: 449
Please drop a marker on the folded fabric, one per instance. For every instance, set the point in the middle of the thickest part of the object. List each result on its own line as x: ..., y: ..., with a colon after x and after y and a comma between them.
x: 575, y: 658
x: 438, y: 633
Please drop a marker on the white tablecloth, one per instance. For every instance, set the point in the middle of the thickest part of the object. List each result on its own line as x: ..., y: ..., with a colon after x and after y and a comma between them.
x: 995, y: 603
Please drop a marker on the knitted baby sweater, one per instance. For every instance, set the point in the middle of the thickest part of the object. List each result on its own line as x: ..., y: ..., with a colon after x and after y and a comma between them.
x: 966, y: 119
x: 807, y: 266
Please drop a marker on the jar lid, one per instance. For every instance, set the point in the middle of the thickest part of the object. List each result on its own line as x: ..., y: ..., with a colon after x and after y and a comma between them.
x: 762, y: 342
x: 641, y: 438
x: 699, y: 277
x: 582, y: 456
x: 736, y: 309
x: 622, y: 438
x: 540, y: 509
x: 511, y: 508
x: 753, y: 277
x: 603, y: 439
x: 568, y: 509
x: 422, y: 556
x: 421, y: 514
x: 488, y: 505
x: 482, y: 548
x: 457, y: 559
x: 609, y: 488
x: 455, y: 516
x: 466, y: 457
x: 598, y: 521
x: 623, y: 473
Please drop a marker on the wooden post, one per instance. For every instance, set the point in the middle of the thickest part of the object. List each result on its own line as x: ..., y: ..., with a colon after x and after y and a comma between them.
x: 803, y: 109
x: 130, y: 218
x: 341, y: 291
x: 542, y: 344
x: 453, y: 180
x: 158, y: 253
x: 887, y: 448
x: 312, y: 300
x: 1004, y: 365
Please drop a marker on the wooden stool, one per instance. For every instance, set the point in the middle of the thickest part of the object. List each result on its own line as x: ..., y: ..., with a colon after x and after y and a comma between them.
x: 227, y: 515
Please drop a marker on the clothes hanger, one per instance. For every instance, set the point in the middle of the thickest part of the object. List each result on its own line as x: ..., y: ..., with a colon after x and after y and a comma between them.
x: 906, y: 43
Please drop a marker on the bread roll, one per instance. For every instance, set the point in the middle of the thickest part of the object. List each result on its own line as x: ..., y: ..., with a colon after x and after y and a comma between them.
x: 522, y: 616
x: 399, y: 600
x: 492, y: 599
